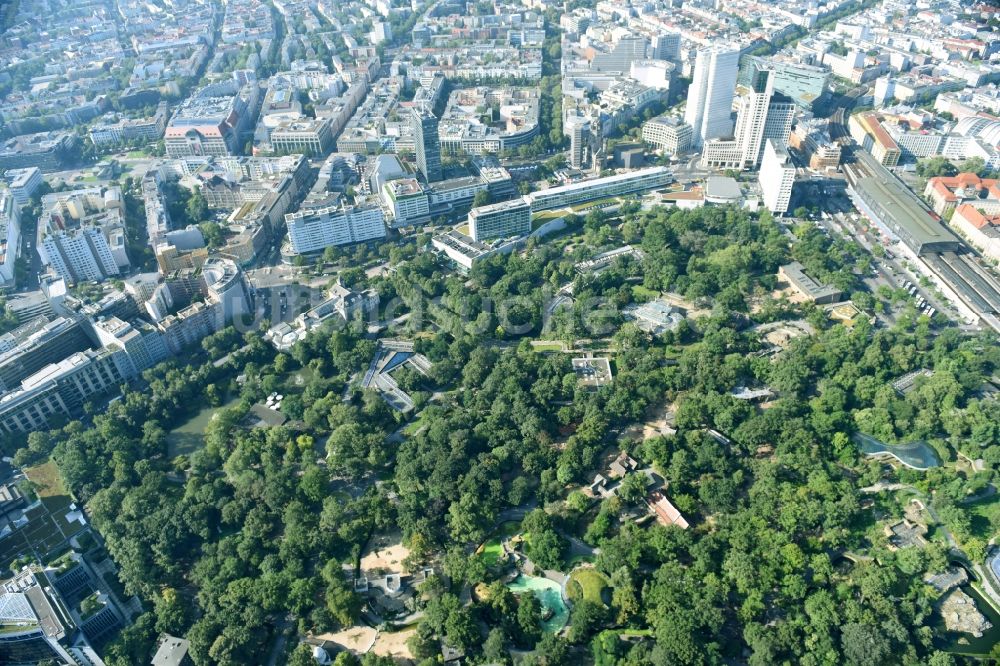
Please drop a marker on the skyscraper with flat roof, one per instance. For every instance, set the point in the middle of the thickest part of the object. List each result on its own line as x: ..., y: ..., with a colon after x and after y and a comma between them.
x: 427, y: 144
x: 710, y: 97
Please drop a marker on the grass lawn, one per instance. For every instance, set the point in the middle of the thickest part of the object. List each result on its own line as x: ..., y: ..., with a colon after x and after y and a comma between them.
x: 492, y: 549
x: 541, y: 217
x: 586, y: 583
x: 46, y: 480
x: 492, y: 552
x: 642, y: 293
x: 415, y: 425
x: 546, y: 346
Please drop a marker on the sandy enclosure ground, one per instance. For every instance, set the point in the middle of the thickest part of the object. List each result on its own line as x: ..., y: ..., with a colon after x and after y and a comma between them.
x: 384, y: 552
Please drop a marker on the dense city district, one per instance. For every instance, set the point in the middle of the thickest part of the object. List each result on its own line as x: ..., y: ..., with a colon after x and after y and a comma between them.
x: 499, y: 333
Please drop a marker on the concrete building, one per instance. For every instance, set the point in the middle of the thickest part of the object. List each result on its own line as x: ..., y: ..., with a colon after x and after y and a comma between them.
x: 62, y: 389
x: 794, y: 274
x: 23, y: 183
x: 500, y: 220
x: 227, y: 295
x: 578, y: 129
x: 710, y: 96
x: 657, y: 74
x: 620, y: 56
x: 776, y: 177
x: 10, y: 236
x: 35, y: 624
x: 813, y: 139
x: 143, y: 343
x: 666, y: 46
x: 406, y: 200
x: 213, y: 120
x: 669, y: 134
x: 316, y: 229
x: 512, y: 121
x: 598, y: 188
x: 308, y: 136
x: 867, y: 130
x: 35, y: 347
x: 427, y: 144
x: 81, y: 234
x: 802, y: 83
x: 47, y: 151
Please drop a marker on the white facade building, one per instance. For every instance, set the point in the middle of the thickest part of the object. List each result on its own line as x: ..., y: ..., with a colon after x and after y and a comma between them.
x: 314, y: 230
x: 776, y: 177
x: 710, y: 97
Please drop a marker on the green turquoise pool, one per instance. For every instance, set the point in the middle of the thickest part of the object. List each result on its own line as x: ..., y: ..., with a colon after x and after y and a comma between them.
x: 549, y: 593
x: 918, y: 455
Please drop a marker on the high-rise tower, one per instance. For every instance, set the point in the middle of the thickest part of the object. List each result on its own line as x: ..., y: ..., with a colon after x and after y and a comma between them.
x: 427, y: 144
x: 710, y: 97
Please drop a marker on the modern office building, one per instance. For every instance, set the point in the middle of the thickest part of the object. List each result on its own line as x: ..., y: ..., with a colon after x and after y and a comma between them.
x: 32, y: 351
x: 802, y: 83
x: 668, y: 133
x: 666, y: 46
x: 776, y: 177
x: 313, y: 230
x: 48, y: 151
x: 598, y: 188
x: 427, y: 145
x: 228, y: 288
x: 34, y: 627
x: 762, y: 115
x: 500, y: 220
x: 61, y: 389
x: 578, y: 129
x: 619, y: 57
x: 710, y: 97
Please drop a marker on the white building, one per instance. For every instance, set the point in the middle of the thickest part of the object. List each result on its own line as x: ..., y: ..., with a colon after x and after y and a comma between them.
x: 406, y: 200
x: 306, y: 135
x: 10, y: 235
x: 631, y: 182
x: 23, y: 183
x: 776, y: 177
x: 313, y: 230
x: 669, y: 134
x: 653, y: 73
x: 81, y: 234
x: 500, y: 220
x: 710, y: 97
x: 762, y: 115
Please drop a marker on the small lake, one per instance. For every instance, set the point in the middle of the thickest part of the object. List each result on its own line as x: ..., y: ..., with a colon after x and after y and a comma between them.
x: 189, y: 437
x: 918, y: 455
